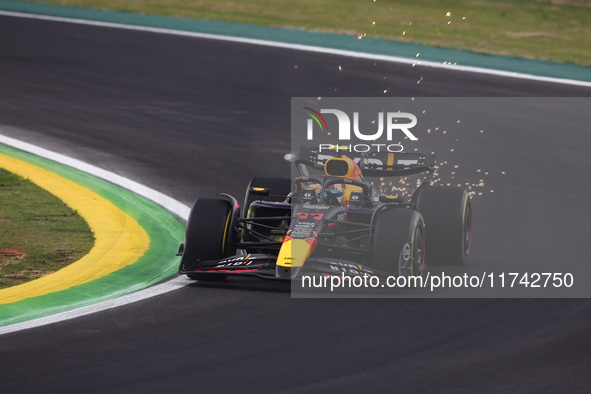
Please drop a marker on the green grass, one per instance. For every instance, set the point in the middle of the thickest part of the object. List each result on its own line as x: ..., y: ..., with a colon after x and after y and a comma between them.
x: 558, y: 30
x: 39, y: 233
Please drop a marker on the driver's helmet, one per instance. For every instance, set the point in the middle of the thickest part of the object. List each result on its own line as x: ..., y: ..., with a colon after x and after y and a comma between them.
x: 333, y: 194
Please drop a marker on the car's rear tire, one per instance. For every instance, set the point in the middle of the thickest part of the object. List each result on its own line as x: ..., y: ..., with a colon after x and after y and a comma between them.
x: 208, y: 236
x: 448, y: 220
x: 279, y: 188
x: 398, y: 242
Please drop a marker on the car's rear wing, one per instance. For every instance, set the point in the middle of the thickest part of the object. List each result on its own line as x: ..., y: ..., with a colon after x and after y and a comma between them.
x: 372, y: 164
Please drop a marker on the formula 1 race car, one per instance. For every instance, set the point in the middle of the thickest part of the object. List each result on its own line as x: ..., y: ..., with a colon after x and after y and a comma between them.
x: 330, y: 220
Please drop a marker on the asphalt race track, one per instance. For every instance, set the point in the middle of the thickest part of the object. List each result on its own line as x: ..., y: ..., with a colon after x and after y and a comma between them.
x: 193, y: 118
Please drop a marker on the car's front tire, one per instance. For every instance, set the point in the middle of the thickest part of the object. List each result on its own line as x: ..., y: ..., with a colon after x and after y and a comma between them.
x: 207, y: 237
x: 398, y: 242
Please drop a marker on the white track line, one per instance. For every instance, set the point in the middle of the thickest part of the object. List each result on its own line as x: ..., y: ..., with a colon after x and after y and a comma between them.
x: 168, y: 203
x: 141, y: 295
x: 308, y: 48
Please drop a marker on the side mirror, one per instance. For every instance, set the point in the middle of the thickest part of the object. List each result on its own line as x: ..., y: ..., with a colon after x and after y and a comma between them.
x: 259, y: 191
x: 390, y: 199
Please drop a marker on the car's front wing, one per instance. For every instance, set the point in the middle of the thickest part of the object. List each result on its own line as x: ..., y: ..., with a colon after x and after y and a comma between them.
x: 263, y: 266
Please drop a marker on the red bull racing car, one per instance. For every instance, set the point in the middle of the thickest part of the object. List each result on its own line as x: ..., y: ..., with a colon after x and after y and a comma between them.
x: 330, y: 220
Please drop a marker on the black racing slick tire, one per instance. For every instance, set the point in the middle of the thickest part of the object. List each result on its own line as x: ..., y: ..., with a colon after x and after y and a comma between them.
x: 398, y: 242
x: 279, y: 188
x: 207, y: 237
x: 448, y: 220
